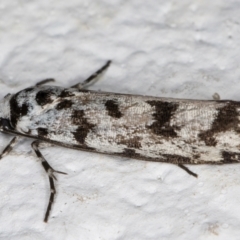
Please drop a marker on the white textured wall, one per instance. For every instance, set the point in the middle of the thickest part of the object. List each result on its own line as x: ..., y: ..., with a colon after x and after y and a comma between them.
x: 183, y: 49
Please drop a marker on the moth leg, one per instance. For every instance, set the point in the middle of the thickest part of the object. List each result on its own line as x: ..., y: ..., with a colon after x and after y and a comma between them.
x: 9, y: 147
x: 45, y: 81
x: 188, y: 170
x: 50, y: 171
x: 216, y: 96
x: 93, y: 78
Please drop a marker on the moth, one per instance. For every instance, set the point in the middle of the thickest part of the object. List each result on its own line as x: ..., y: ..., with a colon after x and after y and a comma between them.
x: 176, y: 131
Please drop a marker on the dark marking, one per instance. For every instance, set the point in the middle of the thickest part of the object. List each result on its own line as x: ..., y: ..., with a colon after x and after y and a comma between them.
x: 113, y: 108
x: 24, y: 109
x: 81, y: 133
x: 130, y: 142
x: 176, y: 159
x: 83, y: 147
x: 230, y: 157
x: 169, y: 158
x: 65, y: 93
x: 44, y: 97
x: 129, y: 153
x: 64, y: 104
x: 84, y: 127
x: 196, y: 156
x: 77, y: 117
x: 163, y: 114
x: 43, y: 132
x: 17, y: 111
x: 226, y: 119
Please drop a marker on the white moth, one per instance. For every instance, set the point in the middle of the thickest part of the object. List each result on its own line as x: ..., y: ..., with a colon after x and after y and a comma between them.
x: 168, y: 130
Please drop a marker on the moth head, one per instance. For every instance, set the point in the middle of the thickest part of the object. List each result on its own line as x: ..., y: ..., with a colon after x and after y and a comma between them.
x: 5, y: 112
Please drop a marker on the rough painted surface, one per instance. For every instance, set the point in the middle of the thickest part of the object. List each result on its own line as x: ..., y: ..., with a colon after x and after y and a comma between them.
x: 181, y: 49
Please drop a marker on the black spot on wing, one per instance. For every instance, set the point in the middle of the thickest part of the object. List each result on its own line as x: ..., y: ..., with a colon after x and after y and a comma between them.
x: 113, y: 108
x: 17, y: 111
x: 130, y: 153
x: 24, y: 109
x: 230, y: 157
x: 78, y: 117
x: 44, y: 97
x: 162, y: 115
x: 133, y: 142
x: 226, y: 119
x: 81, y: 133
x: 42, y: 132
x: 84, y: 127
x: 64, y: 104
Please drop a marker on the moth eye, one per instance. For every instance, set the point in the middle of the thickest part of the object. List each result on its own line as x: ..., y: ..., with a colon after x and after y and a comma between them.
x: 7, y: 95
x: 4, y: 123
